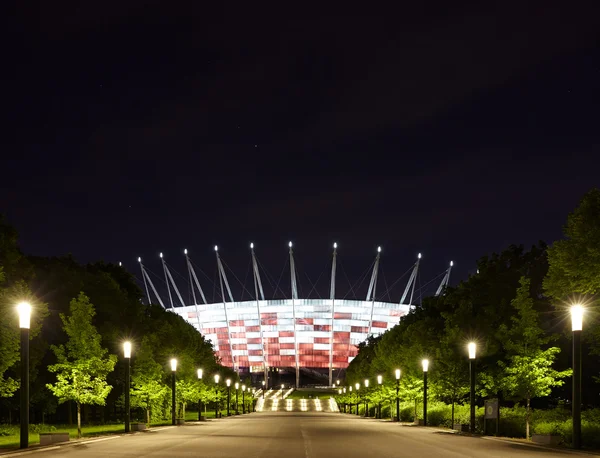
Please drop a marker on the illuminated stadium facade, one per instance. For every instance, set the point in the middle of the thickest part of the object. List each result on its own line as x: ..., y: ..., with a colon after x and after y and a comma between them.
x: 293, y: 333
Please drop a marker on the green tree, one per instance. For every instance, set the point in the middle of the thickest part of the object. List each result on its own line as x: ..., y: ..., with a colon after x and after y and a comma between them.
x: 83, y: 364
x: 574, y: 263
x: 529, y: 372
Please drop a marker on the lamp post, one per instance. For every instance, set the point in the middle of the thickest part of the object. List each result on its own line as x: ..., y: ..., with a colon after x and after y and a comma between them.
x: 228, y: 383
x: 263, y: 384
x: 398, y: 395
x: 173, y: 402
x: 379, y: 382
x: 199, y: 400
x: 366, y: 397
x: 243, y: 399
x: 24, y: 309
x: 217, y: 377
x: 425, y: 363
x: 357, y: 398
x: 576, y: 327
x: 282, y: 391
x: 472, y: 354
x: 237, y: 388
x: 127, y: 356
x: 350, y: 399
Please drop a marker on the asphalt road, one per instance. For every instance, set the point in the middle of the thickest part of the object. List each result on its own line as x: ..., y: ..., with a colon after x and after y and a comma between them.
x: 297, y: 435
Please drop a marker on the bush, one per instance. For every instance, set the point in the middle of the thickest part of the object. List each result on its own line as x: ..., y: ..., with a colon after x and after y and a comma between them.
x: 547, y: 427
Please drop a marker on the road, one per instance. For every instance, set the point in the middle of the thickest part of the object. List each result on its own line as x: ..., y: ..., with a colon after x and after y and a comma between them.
x: 297, y: 435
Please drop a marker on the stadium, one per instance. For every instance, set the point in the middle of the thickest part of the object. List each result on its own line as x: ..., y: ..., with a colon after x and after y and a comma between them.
x: 316, y: 337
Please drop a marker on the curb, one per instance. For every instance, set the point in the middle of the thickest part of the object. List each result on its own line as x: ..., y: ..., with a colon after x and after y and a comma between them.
x: 542, y: 447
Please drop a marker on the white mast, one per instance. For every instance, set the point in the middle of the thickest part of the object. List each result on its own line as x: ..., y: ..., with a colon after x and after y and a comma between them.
x: 332, y: 297
x: 222, y: 278
x: 147, y: 278
x: 187, y: 259
x: 144, y: 278
x: 445, y: 280
x: 294, y: 297
x: 166, y: 279
x: 257, y: 286
x: 412, y: 281
x: 373, y: 287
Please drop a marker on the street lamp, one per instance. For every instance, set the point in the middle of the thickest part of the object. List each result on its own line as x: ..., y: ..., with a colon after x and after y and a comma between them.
x: 397, y: 395
x: 357, y: 398
x: 472, y: 354
x: 366, y: 398
x: 173, y: 404
x: 228, y: 383
x: 217, y: 377
x: 425, y: 363
x: 263, y: 384
x: 379, y: 382
x: 24, y: 309
x: 237, y: 387
x: 282, y: 387
x: 127, y: 356
x: 199, y: 400
x: 576, y: 327
x: 243, y: 399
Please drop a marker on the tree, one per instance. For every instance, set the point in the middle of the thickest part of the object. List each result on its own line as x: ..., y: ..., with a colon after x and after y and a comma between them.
x: 575, y: 262
x: 529, y: 372
x: 83, y: 364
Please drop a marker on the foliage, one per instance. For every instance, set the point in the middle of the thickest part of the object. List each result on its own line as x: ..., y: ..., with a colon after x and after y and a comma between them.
x: 83, y: 364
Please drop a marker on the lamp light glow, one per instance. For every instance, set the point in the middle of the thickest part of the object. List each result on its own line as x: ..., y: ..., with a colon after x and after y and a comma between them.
x: 243, y: 387
x: 185, y: 251
x: 378, y: 249
x: 24, y: 309
x: 357, y: 386
x: 161, y: 255
x: 237, y: 386
x: 252, y: 246
x: 199, y: 374
x: 228, y: 382
x: 120, y: 264
x: 350, y: 389
x: 263, y: 383
x: 419, y: 256
x: 217, y: 377
x: 577, y: 317
x: 379, y: 379
x: 338, y: 382
x: 472, y: 350
x: 451, y: 263
x: 173, y: 364
x: 216, y: 248
x: 366, y: 383
x: 139, y: 259
x: 425, y: 363
x: 344, y: 389
x: 127, y: 349
x: 290, y: 244
x: 397, y: 374
x: 335, y: 245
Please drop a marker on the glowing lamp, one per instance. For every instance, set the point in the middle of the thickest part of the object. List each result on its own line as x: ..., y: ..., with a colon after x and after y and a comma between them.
x: 228, y: 382
x: 472, y: 350
x: 199, y: 374
x: 425, y: 363
x: 357, y: 386
x: 379, y: 379
x: 237, y: 386
x: 335, y: 245
x: 127, y: 349
x: 24, y: 309
x: 397, y: 374
x: 160, y: 255
x: 185, y: 251
x: 173, y: 364
x: 251, y: 245
x: 577, y: 317
x: 217, y: 377
x: 216, y: 248
x: 243, y: 387
x: 378, y: 249
x: 290, y: 244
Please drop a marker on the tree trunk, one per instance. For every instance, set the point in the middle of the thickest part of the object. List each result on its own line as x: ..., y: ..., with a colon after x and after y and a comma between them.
x: 148, y: 417
x: 416, y: 417
x: 527, y: 420
x: 78, y: 420
x: 452, y: 414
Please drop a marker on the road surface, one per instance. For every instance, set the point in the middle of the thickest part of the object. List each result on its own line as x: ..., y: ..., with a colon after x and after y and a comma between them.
x: 297, y: 435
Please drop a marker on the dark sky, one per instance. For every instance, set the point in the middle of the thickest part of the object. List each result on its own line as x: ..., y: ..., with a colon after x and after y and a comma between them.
x: 142, y: 127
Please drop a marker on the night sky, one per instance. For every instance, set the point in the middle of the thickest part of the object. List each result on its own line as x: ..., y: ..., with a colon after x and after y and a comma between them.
x: 451, y: 130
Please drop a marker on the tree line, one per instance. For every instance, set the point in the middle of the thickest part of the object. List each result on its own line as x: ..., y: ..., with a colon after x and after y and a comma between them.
x: 515, y: 307
x: 81, y: 316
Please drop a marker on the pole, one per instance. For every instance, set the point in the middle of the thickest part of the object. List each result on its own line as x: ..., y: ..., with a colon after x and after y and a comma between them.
x: 228, y: 399
x: 24, y: 442
x: 237, y: 411
x: 397, y: 400
x: 472, y: 397
x: 127, y: 399
x: 173, y: 403
x: 425, y: 398
x: 576, y: 389
x: 243, y: 402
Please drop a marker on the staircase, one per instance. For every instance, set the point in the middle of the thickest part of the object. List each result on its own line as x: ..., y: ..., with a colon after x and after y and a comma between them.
x: 296, y: 405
